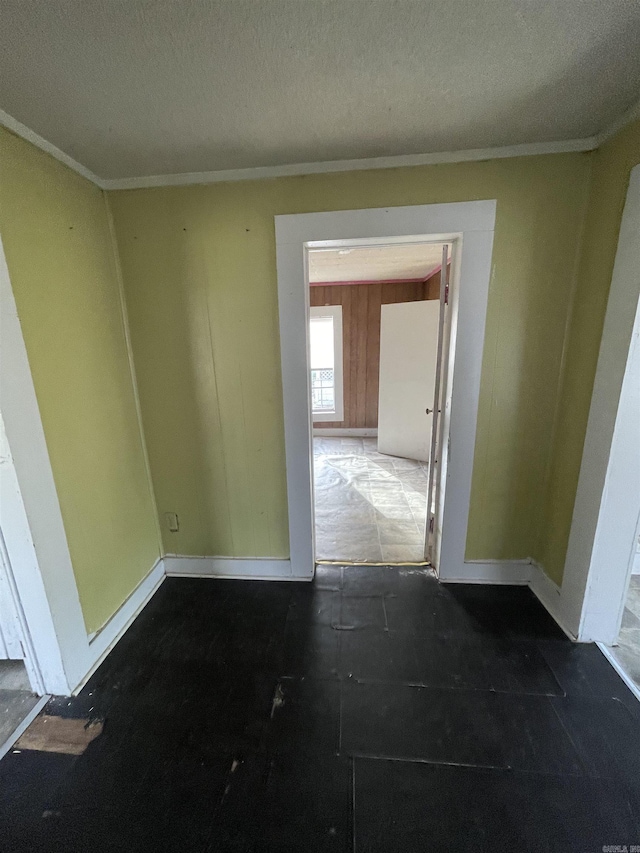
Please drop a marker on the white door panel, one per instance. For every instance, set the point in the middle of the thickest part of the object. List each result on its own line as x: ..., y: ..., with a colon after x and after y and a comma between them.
x: 408, y: 350
x: 10, y: 628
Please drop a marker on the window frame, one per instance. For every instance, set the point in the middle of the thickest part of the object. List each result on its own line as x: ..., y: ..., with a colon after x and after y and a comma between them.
x: 319, y: 312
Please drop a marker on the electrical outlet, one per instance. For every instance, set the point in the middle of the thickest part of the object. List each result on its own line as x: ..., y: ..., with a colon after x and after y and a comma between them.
x: 172, y: 521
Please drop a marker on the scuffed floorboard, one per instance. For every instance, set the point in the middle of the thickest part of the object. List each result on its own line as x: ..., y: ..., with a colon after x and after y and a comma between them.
x: 57, y: 734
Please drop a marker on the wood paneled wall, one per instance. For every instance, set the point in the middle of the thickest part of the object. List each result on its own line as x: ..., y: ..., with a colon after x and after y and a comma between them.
x: 361, y: 339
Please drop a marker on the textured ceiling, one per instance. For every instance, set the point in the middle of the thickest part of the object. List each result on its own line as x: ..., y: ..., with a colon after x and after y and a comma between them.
x: 142, y: 87
x: 374, y: 263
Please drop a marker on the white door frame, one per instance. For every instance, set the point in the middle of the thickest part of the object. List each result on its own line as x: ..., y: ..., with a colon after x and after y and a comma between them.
x: 13, y: 518
x: 469, y: 226
x: 59, y: 653
x: 607, y: 506
x: 30, y: 516
x: 439, y: 448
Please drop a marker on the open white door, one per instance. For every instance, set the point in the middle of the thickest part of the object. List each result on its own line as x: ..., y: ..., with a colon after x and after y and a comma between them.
x: 408, y: 351
x: 437, y: 433
x: 11, y: 647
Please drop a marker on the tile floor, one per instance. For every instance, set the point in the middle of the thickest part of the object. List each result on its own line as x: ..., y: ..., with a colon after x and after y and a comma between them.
x: 369, y: 507
x: 372, y: 711
x: 627, y: 652
x: 16, y: 698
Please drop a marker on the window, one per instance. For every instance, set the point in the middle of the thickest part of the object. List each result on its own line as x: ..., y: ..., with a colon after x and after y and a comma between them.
x: 325, y: 345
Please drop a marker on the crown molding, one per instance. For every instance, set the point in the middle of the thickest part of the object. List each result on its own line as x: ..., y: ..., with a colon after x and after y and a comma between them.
x: 255, y: 173
x: 629, y: 115
x: 25, y: 132
x: 392, y: 162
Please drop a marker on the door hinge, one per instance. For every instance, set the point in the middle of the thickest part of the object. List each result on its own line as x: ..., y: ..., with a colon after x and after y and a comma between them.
x: 446, y: 294
x: 431, y: 524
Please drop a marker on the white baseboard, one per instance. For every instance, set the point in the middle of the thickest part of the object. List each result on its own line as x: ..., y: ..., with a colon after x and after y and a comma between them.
x: 550, y: 596
x: 353, y: 432
x: 515, y: 573
x: 511, y: 572
x: 239, y: 568
x: 106, y: 638
x: 21, y: 728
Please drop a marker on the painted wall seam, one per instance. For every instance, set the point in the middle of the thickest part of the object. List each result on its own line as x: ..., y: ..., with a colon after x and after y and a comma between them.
x: 577, y: 257
x: 132, y: 368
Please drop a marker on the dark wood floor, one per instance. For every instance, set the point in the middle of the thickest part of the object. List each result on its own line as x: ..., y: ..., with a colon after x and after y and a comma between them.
x: 374, y: 710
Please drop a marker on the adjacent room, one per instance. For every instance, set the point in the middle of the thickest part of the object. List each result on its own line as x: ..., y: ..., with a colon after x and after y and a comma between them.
x: 627, y: 649
x: 18, y: 702
x: 374, y: 320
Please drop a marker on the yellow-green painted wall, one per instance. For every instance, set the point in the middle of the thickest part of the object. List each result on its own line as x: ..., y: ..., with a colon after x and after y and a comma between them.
x: 61, y: 260
x: 200, y: 278
x: 200, y: 281
x: 612, y: 164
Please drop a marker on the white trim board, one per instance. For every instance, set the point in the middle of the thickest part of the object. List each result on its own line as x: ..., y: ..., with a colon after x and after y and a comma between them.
x: 518, y: 573
x: 239, y: 568
x: 629, y: 115
x: 253, y: 173
x: 467, y: 225
x: 43, y: 144
x: 30, y: 515
x: 550, y: 596
x: 507, y: 572
x: 103, y: 641
x: 28, y: 652
x: 395, y: 161
x: 604, y: 526
x: 34, y: 534
x: 510, y: 572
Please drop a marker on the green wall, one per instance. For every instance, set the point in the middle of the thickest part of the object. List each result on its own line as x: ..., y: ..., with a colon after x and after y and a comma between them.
x: 200, y: 281
x: 200, y: 278
x: 55, y: 230
x: 612, y: 164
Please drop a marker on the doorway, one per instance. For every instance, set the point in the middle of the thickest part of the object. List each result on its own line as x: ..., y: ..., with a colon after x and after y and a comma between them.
x: 626, y: 652
x: 373, y: 334
x: 21, y: 684
x: 19, y: 699
x: 468, y: 227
